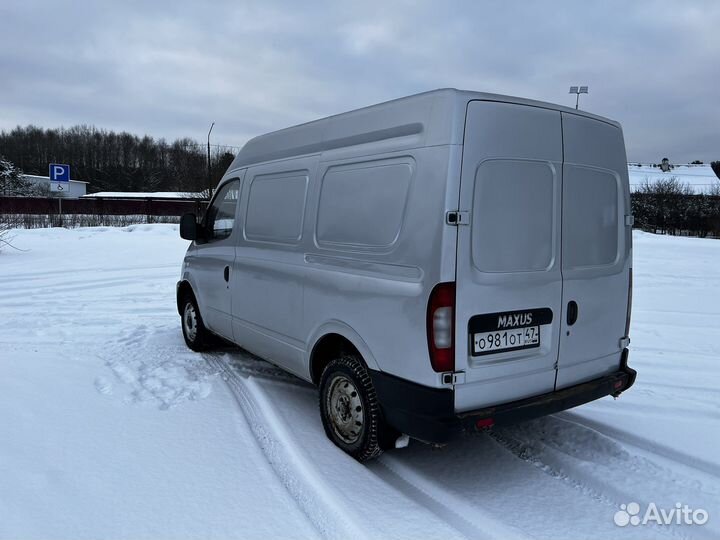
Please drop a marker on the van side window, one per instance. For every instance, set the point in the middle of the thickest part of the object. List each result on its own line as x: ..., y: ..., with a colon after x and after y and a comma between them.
x: 220, y: 217
x: 363, y: 204
x: 276, y: 207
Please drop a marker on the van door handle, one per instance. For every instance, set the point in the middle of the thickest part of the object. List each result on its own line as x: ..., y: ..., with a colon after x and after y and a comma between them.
x: 226, y: 273
x: 572, y: 312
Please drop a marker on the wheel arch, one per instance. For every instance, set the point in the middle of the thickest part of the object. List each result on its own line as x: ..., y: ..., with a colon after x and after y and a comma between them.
x: 330, y: 340
x: 183, y: 287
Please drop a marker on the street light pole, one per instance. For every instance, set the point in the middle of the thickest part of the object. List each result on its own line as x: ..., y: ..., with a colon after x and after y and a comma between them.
x: 577, y: 90
x: 210, y: 188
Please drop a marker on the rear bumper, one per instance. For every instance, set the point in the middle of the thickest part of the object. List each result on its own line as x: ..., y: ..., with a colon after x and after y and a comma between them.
x: 428, y: 413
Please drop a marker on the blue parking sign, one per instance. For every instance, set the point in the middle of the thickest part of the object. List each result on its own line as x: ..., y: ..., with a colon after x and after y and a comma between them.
x: 59, y: 172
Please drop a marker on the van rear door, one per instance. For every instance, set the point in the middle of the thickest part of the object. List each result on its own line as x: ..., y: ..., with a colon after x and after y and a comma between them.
x: 596, y: 247
x: 508, y: 271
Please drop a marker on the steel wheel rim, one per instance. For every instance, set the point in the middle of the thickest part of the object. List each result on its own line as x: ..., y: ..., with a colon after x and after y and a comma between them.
x: 345, y: 409
x: 190, y: 321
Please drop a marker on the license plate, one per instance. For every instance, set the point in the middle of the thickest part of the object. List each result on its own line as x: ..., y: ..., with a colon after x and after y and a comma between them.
x: 506, y: 340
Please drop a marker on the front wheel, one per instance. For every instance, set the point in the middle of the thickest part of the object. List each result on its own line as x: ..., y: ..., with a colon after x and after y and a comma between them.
x: 197, y: 337
x: 349, y: 408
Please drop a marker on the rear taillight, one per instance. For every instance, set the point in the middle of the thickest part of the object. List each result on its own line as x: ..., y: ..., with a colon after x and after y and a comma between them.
x: 629, y: 306
x: 440, y: 327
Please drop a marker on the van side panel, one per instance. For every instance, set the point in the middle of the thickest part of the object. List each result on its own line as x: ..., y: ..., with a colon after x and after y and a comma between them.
x: 268, y: 275
x: 375, y: 277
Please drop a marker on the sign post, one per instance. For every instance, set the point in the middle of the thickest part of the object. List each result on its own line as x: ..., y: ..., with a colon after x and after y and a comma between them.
x: 60, y: 182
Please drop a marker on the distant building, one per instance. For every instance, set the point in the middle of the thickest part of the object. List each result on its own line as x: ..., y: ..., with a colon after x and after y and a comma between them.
x: 76, y: 188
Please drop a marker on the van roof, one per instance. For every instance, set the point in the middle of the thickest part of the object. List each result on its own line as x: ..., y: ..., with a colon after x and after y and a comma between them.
x: 430, y: 118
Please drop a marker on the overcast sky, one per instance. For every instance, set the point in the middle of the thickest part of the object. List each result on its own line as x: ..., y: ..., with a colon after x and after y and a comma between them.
x: 168, y: 69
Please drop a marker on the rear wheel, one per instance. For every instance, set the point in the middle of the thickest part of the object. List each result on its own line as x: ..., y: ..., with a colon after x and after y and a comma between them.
x: 349, y: 408
x: 197, y: 337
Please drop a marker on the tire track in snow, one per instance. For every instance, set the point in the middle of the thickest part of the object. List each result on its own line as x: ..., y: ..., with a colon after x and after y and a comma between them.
x: 389, y: 470
x: 301, y: 478
x: 28, y: 276
x: 315, y: 497
x: 643, y: 444
x: 527, y: 455
x: 62, y: 288
x: 411, y: 502
x: 430, y: 495
x: 26, y: 287
x: 651, y: 409
x: 713, y: 393
x: 249, y: 365
x: 562, y: 456
x: 531, y: 456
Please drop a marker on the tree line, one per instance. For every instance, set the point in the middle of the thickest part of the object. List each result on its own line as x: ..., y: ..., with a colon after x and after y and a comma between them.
x: 112, y: 161
x: 671, y: 207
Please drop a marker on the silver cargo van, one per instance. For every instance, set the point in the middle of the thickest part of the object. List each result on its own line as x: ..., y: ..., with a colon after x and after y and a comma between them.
x: 436, y: 264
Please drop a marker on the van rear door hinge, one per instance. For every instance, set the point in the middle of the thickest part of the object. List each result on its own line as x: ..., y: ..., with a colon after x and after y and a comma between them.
x: 629, y: 220
x: 458, y: 218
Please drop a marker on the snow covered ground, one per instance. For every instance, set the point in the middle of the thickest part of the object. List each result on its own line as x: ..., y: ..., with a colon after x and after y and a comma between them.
x: 111, y: 428
x: 701, y: 178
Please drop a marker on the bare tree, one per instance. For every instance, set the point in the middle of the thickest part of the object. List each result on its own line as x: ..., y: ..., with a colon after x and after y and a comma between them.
x: 715, y: 189
x: 116, y: 161
x: 715, y: 166
x: 7, y: 224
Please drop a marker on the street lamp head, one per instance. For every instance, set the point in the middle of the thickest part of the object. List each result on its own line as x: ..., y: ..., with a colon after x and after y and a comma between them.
x: 577, y: 90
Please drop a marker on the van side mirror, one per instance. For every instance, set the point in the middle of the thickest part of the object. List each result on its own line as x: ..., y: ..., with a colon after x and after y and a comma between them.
x: 188, y: 227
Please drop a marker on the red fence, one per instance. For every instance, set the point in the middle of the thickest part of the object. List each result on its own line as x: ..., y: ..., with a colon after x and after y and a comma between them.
x: 33, y: 212
x: 100, y: 206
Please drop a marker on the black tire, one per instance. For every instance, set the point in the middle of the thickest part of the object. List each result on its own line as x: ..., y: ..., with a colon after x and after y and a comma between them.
x: 345, y: 385
x: 197, y: 336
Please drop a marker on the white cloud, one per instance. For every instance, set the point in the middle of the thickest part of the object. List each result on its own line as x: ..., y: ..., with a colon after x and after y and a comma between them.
x: 363, y: 38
